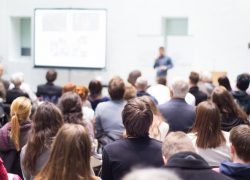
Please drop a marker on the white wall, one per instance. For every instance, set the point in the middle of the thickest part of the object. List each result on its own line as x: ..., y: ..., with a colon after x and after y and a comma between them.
x: 219, y: 33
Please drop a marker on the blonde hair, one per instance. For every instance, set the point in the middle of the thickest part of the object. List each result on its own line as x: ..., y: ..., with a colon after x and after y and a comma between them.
x: 19, y: 110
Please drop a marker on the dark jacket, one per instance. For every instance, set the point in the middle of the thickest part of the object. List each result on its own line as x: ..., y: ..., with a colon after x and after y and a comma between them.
x: 243, y: 99
x: 143, y: 93
x: 14, y: 93
x: 235, y: 170
x: 121, y: 156
x: 191, y: 166
x: 199, y: 95
x: 230, y: 121
x: 49, y: 92
x: 178, y: 114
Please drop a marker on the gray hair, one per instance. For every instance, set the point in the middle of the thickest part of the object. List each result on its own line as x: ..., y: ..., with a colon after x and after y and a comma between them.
x: 150, y: 174
x: 141, y: 83
x: 176, y: 142
x: 179, y: 88
x: 17, y: 78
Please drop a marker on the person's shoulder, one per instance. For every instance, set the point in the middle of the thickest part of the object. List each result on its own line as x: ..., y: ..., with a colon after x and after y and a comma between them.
x: 115, y: 145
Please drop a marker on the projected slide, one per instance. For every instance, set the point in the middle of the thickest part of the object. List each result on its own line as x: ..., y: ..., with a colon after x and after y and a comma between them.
x: 70, y: 38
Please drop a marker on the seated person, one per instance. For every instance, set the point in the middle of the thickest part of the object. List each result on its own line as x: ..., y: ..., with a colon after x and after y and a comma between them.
x: 137, y: 149
x: 95, y: 96
x: 240, y: 95
x: 180, y: 157
x: 239, y: 168
x: 49, y: 91
x: 133, y: 75
x: 15, y: 92
x: 194, y: 89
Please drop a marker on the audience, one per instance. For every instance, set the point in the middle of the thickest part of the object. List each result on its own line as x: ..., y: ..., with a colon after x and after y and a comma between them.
x: 95, y: 96
x: 13, y: 135
x: 34, y: 155
x: 88, y: 113
x: 49, y: 91
x: 179, y: 115
x: 239, y: 168
x: 133, y: 75
x: 108, y: 125
x: 141, y: 85
x: 230, y: 112
x: 205, y: 84
x: 209, y: 140
x: 224, y: 81
x: 241, y: 96
x: 70, y: 105
x: 69, y: 87
x: 180, y: 157
x: 194, y: 89
x: 151, y: 174
x: 70, y: 156
x: 137, y: 149
x: 15, y: 92
x: 159, y: 127
x: 130, y: 92
x: 3, y: 81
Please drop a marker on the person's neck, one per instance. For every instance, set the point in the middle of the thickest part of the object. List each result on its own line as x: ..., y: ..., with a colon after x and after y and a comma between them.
x: 192, y: 85
x: 236, y: 159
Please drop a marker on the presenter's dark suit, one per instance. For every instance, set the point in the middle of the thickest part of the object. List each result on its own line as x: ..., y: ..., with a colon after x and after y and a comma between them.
x: 122, y: 155
x: 178, y: 114
x: 49, y: 92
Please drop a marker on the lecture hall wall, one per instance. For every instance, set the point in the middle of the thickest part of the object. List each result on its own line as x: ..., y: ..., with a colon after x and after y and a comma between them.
x: 218, y: 37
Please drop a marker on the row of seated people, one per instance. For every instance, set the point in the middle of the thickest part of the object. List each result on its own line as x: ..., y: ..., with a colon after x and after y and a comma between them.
x: 57, y: 143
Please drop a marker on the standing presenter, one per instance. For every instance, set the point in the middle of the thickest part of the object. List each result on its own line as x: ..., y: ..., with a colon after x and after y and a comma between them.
x: 162, y: 64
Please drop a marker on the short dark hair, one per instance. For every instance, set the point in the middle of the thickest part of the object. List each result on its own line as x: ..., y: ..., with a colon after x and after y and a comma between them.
x: 162, y: 80
x: 161, y: 47
x: 194, y: 77
x: 137, y: 117
x: 243, y: 81
x: 240, y: 139
x: 51, y: 75
x: 95, y: 87
x: 116, y: 88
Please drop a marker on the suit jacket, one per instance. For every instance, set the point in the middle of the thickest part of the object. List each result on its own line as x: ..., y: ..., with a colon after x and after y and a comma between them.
x: 122, y: 155
x: 178, y: 114
x: 14, y: 93
x: 199, y: 95
x: 49, y: 92
x: 189, y: 165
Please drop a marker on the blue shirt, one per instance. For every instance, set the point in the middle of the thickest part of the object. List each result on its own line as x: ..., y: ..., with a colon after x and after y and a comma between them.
x: 162, y: 61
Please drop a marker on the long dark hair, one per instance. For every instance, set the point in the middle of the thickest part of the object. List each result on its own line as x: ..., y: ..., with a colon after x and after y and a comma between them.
x: 70, y: 156
x: 46, y: 122
x: 71, y: 106
x: 224, y: 81
x: 207, y: 126
x: 226, y: 103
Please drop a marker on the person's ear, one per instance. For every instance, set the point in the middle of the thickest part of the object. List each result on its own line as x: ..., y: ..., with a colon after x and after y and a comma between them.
x: 171, y: 93
x: 164, y: 160
x: 232, y: 151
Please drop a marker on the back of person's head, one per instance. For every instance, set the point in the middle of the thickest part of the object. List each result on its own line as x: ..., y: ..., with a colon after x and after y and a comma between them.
x: 83, y: 92
x: 95, y: 88
x: 116, y: 88
x: 69, y: 87
x: 226, y: 104
x: 207, y: 126
x: 20, y: 110
x: 243, y: 81
x: 70, y: 155
x: 240, y: 139
x: 161, y: 80
x: 47, y: 120
x: 150, y: 174
x: 137, y: 117
x: 194, y: 78
x: 51, y: 75
x: 130, y: 92
x: 70, y: 104
x: 17, y: 79
x: 133, y: 75
x: 179, y: 88
x: 141, y: 83
x: 176, y: 142
x: 224, y: 81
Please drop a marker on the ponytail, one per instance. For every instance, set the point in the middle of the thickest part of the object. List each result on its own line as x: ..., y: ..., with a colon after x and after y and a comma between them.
x: 15, y: 131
